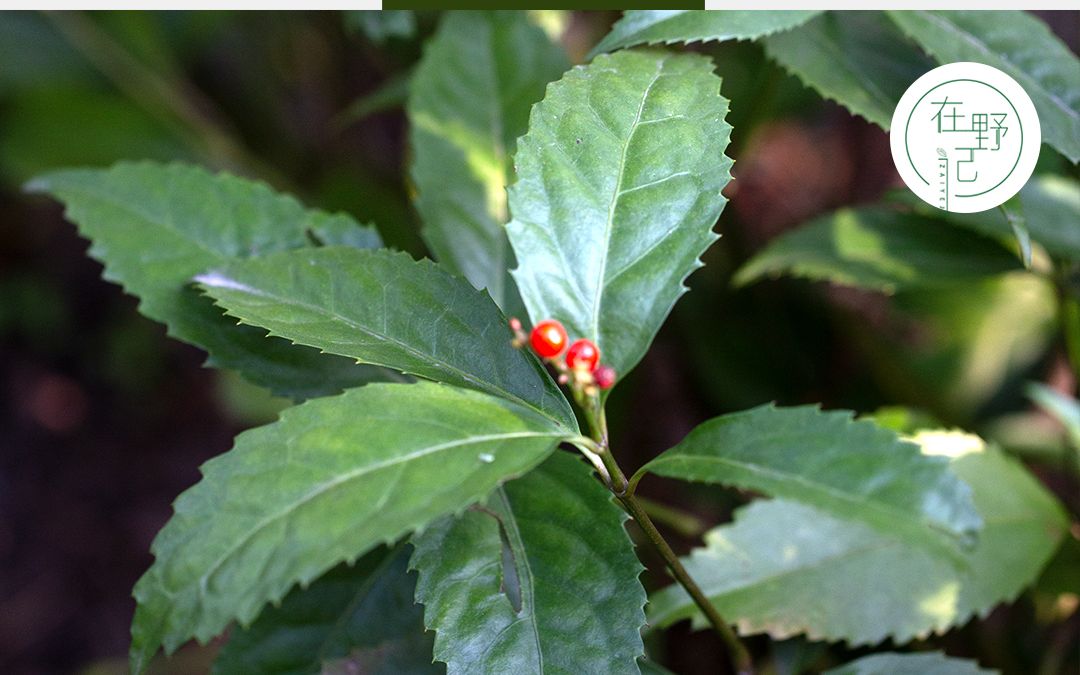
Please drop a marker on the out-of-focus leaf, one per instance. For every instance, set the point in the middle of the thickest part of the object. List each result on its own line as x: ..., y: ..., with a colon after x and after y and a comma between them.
x: 1021, y: 46
x: 155, y: 227
x: 543, y: 578
x: 469, y: 102
x: 36, y: 55
x: 389, y: 95
x: 384, y: 308
x: 362, y: 612
x: 952, y: 349
x: 858, y: 59
x: 332, y: 479
x: 787, y: 569
x: 381, y: 25
x: 929, y: 663
x: 880, y: 249
x: 851, y: 469
x: 618, y: 189
x: 1065, y: 409
x: 39, y: 125
x: 1051, y: 208
x: 653, y: 26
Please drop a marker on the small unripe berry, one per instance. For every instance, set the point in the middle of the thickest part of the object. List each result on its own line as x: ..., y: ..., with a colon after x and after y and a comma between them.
x: 604, y: 377
x: 582, y: 355
x: 515, y: 324
x: 548, y: 338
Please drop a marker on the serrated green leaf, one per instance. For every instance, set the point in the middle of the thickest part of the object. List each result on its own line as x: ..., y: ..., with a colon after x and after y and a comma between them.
x: 880, y: 249
x: 787, y: 569
x: 1021, y: 46
x: 156, y: 226
x: 543, y: 578
x: 468, y: 103
x: 858, y: 59
x: 851, y: 469
x: 930, y: 663
x: 653, y: 26
x: 362, y: 612
x: 618, y: 188
x: 333, y: 478
x: 385, y: 308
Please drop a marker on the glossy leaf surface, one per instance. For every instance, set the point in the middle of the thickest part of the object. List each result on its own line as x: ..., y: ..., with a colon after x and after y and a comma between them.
x: 858, y: 59
x: 618, y: 188
x: 1018, y: 44
x: 385, y: 308
x: 786, y: 568
x: 851, y: 469
x: 154, y: 227
x: 332, y: 479
x: 543, y: 578
x: 468, y: 103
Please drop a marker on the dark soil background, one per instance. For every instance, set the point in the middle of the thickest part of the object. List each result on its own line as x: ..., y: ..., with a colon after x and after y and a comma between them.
x: 104, y: 420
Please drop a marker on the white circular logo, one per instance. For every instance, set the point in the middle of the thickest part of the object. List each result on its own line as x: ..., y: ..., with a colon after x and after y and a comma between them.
x: 965, y: 137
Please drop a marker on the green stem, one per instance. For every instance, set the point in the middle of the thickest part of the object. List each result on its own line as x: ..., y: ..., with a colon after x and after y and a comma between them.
x: 596, y: 418
x: 740, y: 657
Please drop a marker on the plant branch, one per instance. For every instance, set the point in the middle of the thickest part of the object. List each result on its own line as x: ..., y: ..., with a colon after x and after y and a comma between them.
x: 739, y: 655
x: 593, y: 410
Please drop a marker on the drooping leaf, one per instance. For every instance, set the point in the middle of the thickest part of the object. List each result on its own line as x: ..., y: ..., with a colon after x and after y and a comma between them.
x: 332, y: 479
x: 364, y: 612
x: 786, y: 568
x: 618, y: 188
x: 858, y: 59
x: 543, y: 578
x: 1021, y: 46
x: 469, y: 102
x: 156, y: 226
x: 653, y: 26
x: 385, y: 308
x: 851, y: 469
x: 880, y: 249
x: 927, y: 663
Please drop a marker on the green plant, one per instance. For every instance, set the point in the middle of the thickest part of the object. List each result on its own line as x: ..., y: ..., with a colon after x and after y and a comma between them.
x: 430, y: 456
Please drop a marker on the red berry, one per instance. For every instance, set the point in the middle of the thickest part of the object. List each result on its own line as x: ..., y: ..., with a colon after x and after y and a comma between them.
x: 548, y: 338
x: 604, y: 377
x: 583, y: 355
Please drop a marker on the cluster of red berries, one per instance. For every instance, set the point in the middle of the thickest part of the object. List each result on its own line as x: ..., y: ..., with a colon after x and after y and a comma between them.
x: 582, y: 361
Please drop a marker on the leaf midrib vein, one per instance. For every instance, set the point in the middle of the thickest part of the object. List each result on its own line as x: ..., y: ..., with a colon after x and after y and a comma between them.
x: 352, y: 475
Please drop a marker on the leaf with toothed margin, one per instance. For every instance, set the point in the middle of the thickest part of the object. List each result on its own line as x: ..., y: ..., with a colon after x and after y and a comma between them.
x: 363, y: 612
x: 542, y: 578
x: 927, y: 663
x: 654, y: 26
x: 858, y: 59
x: 786, y: 569
x: 468, y: 103
x: 329, y: 481
x: 384, y: 308
x: 156, y: 226
x: 618, y: 189
x: 847, y: 468
x: 1021, y: 46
